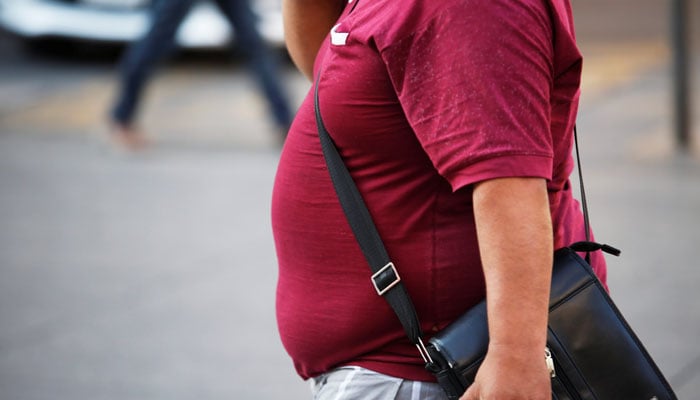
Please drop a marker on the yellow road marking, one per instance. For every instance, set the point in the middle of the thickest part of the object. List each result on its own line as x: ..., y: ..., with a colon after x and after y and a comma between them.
x: 608, y: 66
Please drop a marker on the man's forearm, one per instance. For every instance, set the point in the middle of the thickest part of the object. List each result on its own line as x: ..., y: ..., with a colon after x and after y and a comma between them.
x: 306, y: 24
x: 515, y: 239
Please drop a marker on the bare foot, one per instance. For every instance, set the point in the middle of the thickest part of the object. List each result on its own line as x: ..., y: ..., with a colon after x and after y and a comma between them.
x: 127, y: 137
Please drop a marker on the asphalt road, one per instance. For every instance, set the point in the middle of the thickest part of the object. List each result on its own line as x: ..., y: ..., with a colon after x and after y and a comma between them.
x: 146, y: 276
x: 152, y: 276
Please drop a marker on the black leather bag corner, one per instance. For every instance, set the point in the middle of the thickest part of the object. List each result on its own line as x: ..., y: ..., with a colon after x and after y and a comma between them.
x: 596, y: 354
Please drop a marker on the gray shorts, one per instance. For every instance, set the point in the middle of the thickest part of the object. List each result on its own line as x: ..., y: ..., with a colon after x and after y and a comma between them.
x: 355, y: 383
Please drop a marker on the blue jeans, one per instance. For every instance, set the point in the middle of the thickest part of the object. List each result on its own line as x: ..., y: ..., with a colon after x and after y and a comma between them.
x: 141, y: 58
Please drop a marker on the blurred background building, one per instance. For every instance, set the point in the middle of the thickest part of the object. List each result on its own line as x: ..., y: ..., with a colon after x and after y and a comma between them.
x: 152, y: 276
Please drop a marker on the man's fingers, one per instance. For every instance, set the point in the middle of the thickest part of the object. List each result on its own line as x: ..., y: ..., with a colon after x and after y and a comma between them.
x: 470, y: 394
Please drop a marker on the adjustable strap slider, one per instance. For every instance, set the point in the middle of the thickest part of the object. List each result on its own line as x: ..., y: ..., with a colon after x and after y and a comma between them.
x: 386, y: 278
x: 587, y: 246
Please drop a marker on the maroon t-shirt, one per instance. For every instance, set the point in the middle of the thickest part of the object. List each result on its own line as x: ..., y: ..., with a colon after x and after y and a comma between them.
x: 423, y: 98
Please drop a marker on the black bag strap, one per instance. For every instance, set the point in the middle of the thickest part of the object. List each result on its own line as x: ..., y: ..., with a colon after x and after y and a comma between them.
x: 385, y: 277
x: 587, y: 246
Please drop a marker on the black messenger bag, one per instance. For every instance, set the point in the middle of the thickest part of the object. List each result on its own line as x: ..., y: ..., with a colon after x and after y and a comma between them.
x: 594, y: 354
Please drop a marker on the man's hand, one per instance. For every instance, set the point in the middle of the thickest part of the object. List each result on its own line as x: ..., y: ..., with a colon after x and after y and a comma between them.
x: 507, y: 375
x: 514, y: 230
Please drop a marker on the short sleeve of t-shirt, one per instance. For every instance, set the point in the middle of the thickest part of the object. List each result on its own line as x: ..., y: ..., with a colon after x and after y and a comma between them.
x: 474, y: 81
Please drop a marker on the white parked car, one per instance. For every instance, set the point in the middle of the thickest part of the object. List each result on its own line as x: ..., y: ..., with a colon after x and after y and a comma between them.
x: 121, y: 21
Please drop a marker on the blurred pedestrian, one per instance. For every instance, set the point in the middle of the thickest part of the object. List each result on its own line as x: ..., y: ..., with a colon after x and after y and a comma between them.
x: 141, y: 58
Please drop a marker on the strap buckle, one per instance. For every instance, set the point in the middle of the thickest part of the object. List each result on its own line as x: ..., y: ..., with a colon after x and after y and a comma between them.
x: 386, y: 278
x: 424, y: 352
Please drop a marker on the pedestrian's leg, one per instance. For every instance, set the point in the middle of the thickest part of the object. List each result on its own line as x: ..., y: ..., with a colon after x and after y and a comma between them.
x: 260, y: 58
x: 141, y: 57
